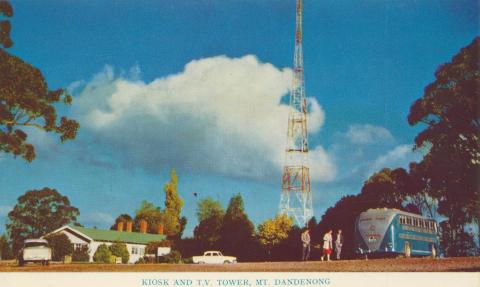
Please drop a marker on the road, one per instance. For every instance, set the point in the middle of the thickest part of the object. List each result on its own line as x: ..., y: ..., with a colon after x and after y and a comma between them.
x: 464, y: 264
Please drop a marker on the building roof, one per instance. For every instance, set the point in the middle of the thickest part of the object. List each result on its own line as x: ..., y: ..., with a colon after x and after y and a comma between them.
x: 117, y: 236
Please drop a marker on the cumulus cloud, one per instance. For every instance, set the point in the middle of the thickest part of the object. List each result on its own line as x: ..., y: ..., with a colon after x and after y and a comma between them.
x: 97, y: 218
x: 220, y: 114
x: 368, y: 134
x: 400, y: 156
x: 4, y: 210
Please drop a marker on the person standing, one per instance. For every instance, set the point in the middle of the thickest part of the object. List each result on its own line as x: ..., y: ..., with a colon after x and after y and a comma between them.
x: 306, y: 244
x: 338, y: 244
x: 327, y: 245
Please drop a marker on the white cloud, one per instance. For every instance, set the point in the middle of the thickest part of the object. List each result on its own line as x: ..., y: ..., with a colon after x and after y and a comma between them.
x: 400, y: 156
x: 100, y: 218
x: 368, y: 134
x: 220, y: 114
x: 4, y: 210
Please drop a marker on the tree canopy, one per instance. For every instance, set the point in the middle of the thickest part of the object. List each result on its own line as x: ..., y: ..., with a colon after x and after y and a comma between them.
x: 38, y: 212
x: 150, y: 213
x: 237, y: 232
x: 273, y: 231
x: 450, y: 111
x: 208, y: 231
x: 26, y: 102
x: 174, y: 224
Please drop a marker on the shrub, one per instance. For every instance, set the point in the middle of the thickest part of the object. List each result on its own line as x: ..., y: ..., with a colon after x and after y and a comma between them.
x: 120, y: 250
x: 103, y: 255
x: 81, y: 254
x: 5, y: 250
x: 60, y: 245
x: 173, y: 257
x: 152, y: 246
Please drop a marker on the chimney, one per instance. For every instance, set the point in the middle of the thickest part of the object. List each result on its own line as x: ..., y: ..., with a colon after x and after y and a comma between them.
x: 160, y: 229
x: 129, y: 226
x: 143, y: 226
x: 120, y: 226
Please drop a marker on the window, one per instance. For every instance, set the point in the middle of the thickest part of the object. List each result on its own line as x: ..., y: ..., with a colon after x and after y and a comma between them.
x: 134, y: 250
x: 77, y: 246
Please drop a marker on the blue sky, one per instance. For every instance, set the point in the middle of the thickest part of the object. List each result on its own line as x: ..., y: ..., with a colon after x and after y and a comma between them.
x: 199, y: 86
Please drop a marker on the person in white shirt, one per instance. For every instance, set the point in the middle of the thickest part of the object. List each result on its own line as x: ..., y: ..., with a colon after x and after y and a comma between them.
x: 327, y: 245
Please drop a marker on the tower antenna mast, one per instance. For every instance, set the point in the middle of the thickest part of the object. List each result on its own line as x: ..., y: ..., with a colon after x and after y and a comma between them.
x: 296, y: 196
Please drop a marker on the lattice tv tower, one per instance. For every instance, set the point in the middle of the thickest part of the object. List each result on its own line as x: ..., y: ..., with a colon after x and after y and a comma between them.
x: 296, y: 197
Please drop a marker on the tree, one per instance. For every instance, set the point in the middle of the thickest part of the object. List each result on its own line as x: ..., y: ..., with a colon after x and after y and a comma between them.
x: 26, y: 101
x: 152, y: 246
x: 341, y: 216
x: 61, y: 246
x: 449, y: 108
x: 37, y: 213
x: 81, y: 254
x: 149, y: 212
x: 103, y: 255
x: 121, y: 218
x: 237, y: 232
x: 5, y: 250
x: 210, y: 216
x: 119, y: 249
x: 273, y: 231
x: 385, y: 188
x: 173, y: 207
x: 5, y: 27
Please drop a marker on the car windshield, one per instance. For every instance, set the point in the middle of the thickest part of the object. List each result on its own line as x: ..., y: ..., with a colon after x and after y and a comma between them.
x: 35, y: 244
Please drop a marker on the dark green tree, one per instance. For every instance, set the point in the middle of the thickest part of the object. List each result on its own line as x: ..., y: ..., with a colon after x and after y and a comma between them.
x: 5, y: 249
x: 61, y: 246
x: 37, y: 213
x: 25, y: 99
x: 341, y: 216
x: 6, y: 12
x: 237, y: 232
x: 385, y: 188
x: 81, y: 254
x: 450, y: 110
x: 210, y: 216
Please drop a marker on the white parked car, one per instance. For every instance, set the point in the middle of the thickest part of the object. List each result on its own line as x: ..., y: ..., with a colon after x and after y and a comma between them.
x: 213, y: 257
x: 35, y: 250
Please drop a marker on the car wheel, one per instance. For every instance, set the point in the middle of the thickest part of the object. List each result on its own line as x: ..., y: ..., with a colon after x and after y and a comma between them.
x: 226, y: 262
x: 407, y: 250
x: 201, y: 262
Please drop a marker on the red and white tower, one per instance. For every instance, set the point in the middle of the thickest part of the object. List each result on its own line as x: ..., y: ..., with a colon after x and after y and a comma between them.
x: 296, y: 196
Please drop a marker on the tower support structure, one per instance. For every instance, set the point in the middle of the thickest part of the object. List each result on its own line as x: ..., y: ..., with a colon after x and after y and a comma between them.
x: 296, y: 195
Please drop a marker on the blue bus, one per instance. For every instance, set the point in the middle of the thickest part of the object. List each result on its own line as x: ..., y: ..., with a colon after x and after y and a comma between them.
x: 384, y: 231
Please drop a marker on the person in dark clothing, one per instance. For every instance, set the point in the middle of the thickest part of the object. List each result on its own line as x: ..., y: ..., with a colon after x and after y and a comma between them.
x: 306, y: 244
x: 338, y: 244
